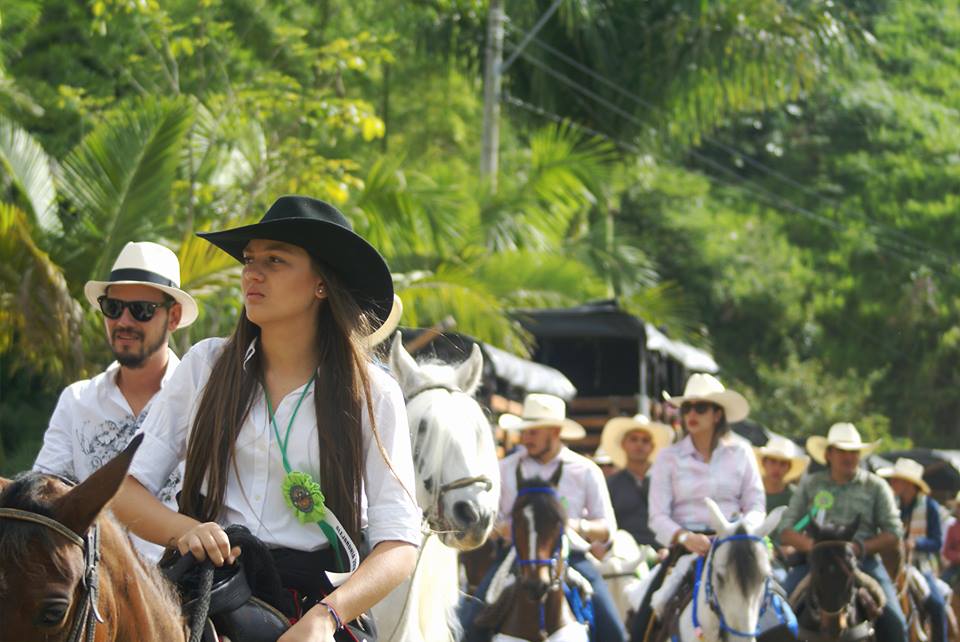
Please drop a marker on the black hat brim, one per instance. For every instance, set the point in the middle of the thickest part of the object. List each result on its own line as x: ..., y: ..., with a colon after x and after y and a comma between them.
x: 358, y: 264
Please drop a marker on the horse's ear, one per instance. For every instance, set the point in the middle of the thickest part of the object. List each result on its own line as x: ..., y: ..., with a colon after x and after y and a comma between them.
x: 470, y: 371
x: 770, y: 523
x: 555, y: 477
x: 403, y: 366
x: 78, y: 509
x: 850, y: 529
x: 719, y: 522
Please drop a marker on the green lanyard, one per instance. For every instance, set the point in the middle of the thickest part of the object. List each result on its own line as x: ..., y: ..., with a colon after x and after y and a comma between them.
x: 300, y: 491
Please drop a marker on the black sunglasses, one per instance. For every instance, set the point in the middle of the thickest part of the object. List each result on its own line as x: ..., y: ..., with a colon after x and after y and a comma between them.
x: 140, y: 310
x: 700, y: 406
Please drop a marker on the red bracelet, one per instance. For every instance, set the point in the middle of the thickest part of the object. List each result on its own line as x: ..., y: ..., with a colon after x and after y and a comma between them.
x: 333, y: 612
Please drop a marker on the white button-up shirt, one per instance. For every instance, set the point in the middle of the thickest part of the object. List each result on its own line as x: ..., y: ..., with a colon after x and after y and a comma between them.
x: 582, y: 489
x: 256, y: 501
x: 680, y: 480
x: 91, y: 424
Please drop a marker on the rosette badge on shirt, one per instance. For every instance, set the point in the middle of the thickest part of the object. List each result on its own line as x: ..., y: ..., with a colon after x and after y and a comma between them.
x: 304, y: 496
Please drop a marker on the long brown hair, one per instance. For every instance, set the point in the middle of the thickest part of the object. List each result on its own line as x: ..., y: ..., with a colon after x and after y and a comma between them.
x: 341, y: 393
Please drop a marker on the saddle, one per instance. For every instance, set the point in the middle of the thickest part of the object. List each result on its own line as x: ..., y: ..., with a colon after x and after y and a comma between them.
x: 669, y: 601
x: 247, y: 600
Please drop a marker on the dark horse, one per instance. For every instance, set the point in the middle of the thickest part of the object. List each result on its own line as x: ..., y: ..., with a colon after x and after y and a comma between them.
x: 839, y: 603
x: 535, y: 606
x: 68, y: 572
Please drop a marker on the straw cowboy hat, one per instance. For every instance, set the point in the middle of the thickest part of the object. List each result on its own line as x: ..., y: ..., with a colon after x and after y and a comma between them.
x: 389, y: 326
x: 611, y: 439
x: 149, y: 264
x: 907, y: 470
x: 781, y: 448
x: 601, y: 458
x: 543, y: 411
x: 704, y: 387
x: 326, y: 234
x: 842, y: 436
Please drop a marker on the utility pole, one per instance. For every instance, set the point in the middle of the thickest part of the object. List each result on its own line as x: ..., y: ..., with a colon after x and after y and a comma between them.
x: 491, y: 93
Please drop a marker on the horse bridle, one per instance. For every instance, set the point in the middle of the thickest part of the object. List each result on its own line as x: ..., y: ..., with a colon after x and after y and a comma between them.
x: 88, y: 615
x: 847, y: 571
x: 460, y: 482
x: 713, y: 601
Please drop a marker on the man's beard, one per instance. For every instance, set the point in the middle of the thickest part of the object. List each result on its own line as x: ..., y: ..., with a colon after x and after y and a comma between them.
x: 137, y: 359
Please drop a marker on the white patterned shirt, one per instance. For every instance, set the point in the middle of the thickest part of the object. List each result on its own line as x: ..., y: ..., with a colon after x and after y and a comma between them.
x: 257, y: 501
x: 92, y: 423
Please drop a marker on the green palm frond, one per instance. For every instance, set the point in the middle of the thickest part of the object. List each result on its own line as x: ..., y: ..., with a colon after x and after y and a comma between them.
x: 537, y: 280
x: 665, y: 305
x: 28, y: 167
x: 40, y: 322
x: 430, y: 297
x: 205, y: 269
x: 119, y: 179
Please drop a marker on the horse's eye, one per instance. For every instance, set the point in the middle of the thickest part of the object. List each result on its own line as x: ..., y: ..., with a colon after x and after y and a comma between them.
x: 52, y: 613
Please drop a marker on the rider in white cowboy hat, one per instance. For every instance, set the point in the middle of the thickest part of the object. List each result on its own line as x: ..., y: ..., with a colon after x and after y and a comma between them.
x: 841, y: 493
x: 706, y: 462
x: 142, y: 304
x: 780, y: 466
x: 543, y: 426
x: 633, y: 443
x: 920, y: 516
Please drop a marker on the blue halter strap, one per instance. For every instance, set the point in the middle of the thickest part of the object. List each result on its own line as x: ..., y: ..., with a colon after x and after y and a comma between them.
x: 784, y: 616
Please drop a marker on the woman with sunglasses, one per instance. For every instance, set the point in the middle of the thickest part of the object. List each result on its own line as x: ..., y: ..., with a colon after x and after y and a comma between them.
x: 706, y: 462
x: 287, y: 427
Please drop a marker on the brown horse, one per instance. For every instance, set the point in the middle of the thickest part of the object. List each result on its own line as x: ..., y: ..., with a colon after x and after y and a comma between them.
x: 69, y: 573
x: 534, y: 607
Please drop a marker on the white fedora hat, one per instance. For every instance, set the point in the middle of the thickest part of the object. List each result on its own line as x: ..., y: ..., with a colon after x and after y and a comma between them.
x: 150, y: 264
x: 842, y: 436
x: 389, y: 326
x: 907, y: 470
x: 543, y: 411
x: 781, y: 448
x: 704, y: 387
x: 611, y: 440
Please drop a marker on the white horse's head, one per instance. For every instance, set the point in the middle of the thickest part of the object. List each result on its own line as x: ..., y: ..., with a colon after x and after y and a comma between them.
x: 739, y: 565
x: 458, y: 477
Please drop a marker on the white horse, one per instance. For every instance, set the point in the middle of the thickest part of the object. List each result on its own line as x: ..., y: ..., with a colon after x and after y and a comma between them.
x: 734, y: 585
x: 458, y: 488
x: 623, y: 568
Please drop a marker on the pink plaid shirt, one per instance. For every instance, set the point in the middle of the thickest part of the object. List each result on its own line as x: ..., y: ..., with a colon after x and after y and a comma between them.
x: 681, y: 479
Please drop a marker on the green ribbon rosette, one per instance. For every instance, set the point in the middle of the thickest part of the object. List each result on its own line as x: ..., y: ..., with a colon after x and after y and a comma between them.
x: 822, y: 502
x: 304, y: 496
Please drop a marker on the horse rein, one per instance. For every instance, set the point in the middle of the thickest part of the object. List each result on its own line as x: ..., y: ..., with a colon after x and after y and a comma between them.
x: 460, y: 482
x: 88, y: 616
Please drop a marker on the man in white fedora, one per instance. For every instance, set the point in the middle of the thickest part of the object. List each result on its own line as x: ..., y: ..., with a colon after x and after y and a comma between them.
x: 632, y: 444
x: 543, y: 427
x: 920, y: 516
x: 142, y: 304
x: 780, y: 466
x: 845, y: 492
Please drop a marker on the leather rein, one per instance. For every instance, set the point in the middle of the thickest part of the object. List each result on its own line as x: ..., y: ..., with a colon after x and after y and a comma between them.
x: 88, y: 615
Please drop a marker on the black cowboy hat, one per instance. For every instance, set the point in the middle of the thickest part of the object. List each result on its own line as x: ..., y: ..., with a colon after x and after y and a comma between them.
x: 324, y: 232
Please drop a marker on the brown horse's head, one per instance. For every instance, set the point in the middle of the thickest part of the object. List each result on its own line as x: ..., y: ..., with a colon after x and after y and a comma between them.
x: 41, y: 568
x: 538, y: 522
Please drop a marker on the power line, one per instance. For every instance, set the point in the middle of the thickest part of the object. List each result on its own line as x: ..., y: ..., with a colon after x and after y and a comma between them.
x: 530, y: 36
x: 924, y: 250
x: 882, y: 242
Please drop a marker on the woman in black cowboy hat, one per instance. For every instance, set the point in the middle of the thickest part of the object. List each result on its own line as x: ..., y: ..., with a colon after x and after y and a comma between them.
x: 285, y: 426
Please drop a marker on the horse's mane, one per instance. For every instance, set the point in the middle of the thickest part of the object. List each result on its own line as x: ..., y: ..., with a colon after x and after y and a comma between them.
x: 746, y: 561
x: 541, y: 501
